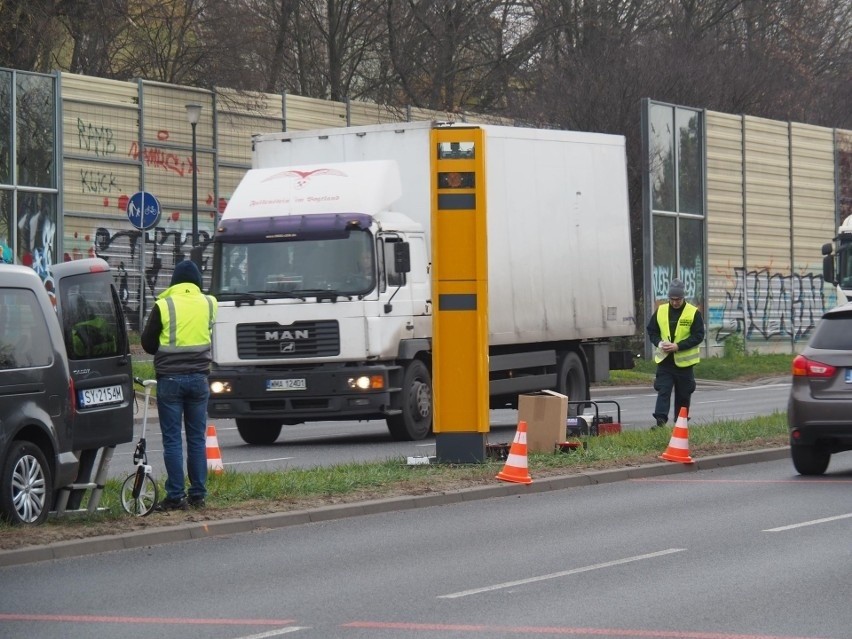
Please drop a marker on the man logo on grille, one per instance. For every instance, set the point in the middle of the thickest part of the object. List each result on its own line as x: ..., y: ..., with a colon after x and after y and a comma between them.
x: 271, y: 336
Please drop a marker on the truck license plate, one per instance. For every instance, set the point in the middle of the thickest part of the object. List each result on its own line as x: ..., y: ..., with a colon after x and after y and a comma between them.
x: 286, y: 384
x: 100, y: 396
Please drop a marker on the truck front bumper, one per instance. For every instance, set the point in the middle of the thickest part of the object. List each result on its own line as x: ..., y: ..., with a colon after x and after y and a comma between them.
x: 300, y: 395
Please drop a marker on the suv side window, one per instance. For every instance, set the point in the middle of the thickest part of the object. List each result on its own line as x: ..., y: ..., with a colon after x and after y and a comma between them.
x: 24, y: 338
x: 90, y: 324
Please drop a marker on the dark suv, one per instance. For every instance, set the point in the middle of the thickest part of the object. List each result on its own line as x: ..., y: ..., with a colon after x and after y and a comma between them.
x: 819, y: 412
x: 65, y: 384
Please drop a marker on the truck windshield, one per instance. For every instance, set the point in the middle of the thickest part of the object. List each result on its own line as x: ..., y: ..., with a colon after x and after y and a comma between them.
x: 844, y: 266
x: 345, y: 265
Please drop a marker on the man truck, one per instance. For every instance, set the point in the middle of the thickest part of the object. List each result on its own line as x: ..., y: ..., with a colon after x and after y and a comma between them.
x: 322, y: 269
x: 837, y: 265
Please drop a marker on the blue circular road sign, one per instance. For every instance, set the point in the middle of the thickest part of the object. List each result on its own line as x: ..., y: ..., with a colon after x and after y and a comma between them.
x: 143, y: 210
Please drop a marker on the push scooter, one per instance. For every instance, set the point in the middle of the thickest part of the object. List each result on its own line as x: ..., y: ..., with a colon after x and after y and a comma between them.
x: 139, y: 492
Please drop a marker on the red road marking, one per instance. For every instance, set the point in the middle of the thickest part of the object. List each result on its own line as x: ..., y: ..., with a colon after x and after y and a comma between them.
x: 160, y: 620
x: 745, y: 481
x: 550, y: 630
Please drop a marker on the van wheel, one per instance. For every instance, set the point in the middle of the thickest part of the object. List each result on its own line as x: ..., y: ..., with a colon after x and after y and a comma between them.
x: 26, y: 486
x: 809, y: 460
x: 260, y: 432
x: 571, y: 380
x: 415, y: 421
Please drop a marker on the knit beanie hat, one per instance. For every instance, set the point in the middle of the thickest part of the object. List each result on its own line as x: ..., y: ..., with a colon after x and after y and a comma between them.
x: 186, y: 271
x: 676, y: 289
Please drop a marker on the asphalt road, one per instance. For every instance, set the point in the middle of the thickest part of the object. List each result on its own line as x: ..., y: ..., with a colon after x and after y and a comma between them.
x: 740, y: 552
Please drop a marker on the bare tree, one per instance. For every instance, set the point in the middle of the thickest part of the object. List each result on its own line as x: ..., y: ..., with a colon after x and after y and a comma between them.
x: 457, y: 54
x: 94, y: 29
x: 28, y: 35
x: 167, y: 41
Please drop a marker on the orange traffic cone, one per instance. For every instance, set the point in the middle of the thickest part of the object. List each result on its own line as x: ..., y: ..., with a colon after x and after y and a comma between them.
x: 515, y: 469
x: 678, y: 450
x: 214, y: 456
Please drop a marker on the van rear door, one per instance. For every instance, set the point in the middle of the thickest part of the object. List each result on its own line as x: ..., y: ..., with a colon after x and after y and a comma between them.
x: 95, y: 334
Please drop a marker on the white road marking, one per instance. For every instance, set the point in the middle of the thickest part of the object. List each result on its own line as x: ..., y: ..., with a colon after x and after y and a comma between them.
x: 813, y: 522
x: 564, y: 573
x: 258, y: 461
x: 761, y: 386
x: 275, y: 633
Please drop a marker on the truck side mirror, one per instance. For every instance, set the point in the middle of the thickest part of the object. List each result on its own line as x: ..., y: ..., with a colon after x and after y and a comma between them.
x: 826, y: 248
x: 828, y: 268
x: 401, y: 257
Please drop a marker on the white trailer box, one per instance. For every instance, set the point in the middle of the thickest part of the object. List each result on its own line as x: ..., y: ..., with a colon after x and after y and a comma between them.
x: 559, y: 272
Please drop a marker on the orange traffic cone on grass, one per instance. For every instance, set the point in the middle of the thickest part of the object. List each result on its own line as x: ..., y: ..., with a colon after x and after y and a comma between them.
x: 214, y: 456
x: 678, y: 450
x: 516, y: 470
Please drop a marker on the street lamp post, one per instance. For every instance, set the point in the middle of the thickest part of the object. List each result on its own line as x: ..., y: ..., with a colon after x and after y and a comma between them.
x: 193, y: 112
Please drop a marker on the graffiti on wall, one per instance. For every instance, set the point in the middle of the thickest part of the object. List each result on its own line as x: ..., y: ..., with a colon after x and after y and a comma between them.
x: 94, y: 138
x: 161, y: 159
x: 164, y: 249
x: 36, y: 237
x: 661, y: 277
x: 762, y: 304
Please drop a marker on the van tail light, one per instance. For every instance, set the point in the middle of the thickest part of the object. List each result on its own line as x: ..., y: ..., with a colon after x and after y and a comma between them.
x: 72, y: 396
x: 804, y: 367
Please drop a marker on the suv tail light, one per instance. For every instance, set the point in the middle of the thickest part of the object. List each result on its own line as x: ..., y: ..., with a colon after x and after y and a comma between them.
x: 804, y: 367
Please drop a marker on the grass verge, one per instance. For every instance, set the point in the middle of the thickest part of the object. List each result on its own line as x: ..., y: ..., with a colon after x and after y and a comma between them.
x: 239, y: 494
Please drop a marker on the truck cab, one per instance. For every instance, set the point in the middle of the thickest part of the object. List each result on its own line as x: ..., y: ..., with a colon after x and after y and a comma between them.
x: 311, y: 309
x: 837, y: 262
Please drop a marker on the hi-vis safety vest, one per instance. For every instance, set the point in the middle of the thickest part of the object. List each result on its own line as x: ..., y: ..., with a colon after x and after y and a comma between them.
x: 192, y: 333
x: 683, y: 358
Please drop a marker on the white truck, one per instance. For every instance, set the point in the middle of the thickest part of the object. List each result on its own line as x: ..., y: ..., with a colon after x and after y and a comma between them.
x: 837, y: 261
x: 322, y: 271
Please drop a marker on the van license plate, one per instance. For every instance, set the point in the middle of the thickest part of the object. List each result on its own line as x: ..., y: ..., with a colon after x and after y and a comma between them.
x: 100, y: 396
x: 286, y: 384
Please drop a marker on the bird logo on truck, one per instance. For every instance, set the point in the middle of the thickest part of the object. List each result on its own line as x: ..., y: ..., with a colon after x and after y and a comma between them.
x: 303, y: 177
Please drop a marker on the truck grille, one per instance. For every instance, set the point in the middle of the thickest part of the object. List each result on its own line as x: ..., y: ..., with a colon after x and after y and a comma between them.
x: 277, y: 341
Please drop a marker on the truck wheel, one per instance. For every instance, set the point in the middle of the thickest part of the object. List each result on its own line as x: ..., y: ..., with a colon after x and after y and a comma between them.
x: 26, y: 486
x: 415, y: 422
x: 809, y: 460
x: 260, y: 432
x: 571, y: 380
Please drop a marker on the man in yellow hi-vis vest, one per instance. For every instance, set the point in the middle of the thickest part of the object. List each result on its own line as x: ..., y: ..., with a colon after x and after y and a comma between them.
x: 177, y: 334
x: 676, y: 330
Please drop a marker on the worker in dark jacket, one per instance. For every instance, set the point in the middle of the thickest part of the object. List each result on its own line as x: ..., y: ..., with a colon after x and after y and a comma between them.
x: 676, y: 329
x: 177, y: 334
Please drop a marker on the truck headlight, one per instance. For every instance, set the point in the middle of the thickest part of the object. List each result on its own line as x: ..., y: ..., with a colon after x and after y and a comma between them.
x: 217, y: 387
x: 366, y: 382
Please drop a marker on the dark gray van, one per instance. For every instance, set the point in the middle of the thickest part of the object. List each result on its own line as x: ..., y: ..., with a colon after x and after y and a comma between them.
x: 65, y: 383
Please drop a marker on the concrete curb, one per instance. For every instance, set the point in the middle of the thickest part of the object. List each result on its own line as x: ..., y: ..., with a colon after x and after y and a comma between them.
x: 203, y: 530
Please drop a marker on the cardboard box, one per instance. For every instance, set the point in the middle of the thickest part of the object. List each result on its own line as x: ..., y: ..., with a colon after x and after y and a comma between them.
x: 545, y: 414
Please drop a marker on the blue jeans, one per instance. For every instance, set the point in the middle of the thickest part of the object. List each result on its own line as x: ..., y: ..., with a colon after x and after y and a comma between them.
x: 182, y: 400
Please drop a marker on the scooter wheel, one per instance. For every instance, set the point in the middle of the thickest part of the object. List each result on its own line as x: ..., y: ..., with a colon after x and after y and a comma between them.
x: 146, y: 488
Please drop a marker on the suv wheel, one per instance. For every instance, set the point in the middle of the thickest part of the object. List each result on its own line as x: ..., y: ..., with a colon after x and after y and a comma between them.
x: 25, y: 485
x: 809, y: 460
